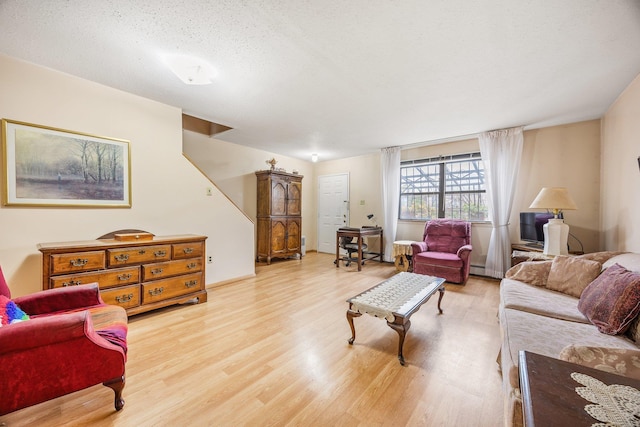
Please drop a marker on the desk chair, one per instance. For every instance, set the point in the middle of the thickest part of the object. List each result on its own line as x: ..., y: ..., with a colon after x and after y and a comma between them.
x: 350, y: 244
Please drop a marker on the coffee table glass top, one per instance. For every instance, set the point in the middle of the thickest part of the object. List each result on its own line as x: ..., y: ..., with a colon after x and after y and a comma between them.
x: 398, y: 295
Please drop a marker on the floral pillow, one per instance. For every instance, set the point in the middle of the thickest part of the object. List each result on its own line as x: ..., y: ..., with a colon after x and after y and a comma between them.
x: 531, y: 272
x: 571, y: 275
x: 10, y: 312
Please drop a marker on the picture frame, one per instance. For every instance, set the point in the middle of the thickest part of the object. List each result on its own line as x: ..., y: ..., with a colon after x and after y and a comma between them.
x: 46, y: 166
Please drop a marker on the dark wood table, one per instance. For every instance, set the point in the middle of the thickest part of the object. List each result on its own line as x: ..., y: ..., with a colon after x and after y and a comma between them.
x: 359, y: 233
x: 395, y: 299
x: 548, y: 391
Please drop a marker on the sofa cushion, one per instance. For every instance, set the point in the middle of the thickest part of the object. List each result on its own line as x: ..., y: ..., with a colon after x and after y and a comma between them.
x: 546, y: 336
x: 601, y: 257
x: 532, y: 272
x: 570, y: 275
x: 612, y: 300
x: 633, y: 331
x: 539, y: 300
x: 620, y: 361
x: 444, y: 259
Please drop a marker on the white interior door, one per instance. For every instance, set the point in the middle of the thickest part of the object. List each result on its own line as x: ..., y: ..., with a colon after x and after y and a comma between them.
x: 333, y: 209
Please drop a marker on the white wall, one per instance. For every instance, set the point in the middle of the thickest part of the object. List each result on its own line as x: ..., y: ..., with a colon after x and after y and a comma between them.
x: 365, y: 196
x: 620, y: 205
x: 232, y: 168
x: 567, y: 156
x: 168, y: 192
x: 563, y: 156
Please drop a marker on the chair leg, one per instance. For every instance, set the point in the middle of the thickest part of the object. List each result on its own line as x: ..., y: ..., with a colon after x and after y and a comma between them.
x: 117, y: 384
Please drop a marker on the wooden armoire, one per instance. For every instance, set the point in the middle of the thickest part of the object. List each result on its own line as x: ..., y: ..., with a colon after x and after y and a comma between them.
x: 279, y: 215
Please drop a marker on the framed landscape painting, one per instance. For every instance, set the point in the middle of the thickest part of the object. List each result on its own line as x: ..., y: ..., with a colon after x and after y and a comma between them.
x: 45, y: 166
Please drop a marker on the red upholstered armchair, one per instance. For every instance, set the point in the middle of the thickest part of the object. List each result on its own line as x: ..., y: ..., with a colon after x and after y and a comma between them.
x: 445, y: 250
x: 73, y: 340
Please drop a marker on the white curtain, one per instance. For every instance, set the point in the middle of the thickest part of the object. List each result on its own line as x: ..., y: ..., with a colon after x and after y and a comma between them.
x: 390, y: 163
x: 501, y: 152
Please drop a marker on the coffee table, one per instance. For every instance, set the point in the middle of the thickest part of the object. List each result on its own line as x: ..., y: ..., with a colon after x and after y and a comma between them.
x: 395, y: 300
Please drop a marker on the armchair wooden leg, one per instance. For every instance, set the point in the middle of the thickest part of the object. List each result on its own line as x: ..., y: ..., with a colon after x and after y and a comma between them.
x: 117, y: 384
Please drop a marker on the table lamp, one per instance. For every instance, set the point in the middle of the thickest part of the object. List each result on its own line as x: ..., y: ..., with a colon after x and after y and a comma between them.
x: 556, y: 232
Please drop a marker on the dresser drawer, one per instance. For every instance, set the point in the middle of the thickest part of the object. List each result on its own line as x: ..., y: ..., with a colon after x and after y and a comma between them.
x: 138, y: 255
x: 159, y: 290
x: 160, y: 270
x: 77, y: 261
x: 125, y: 296
x: 187, y: 250
x: 106, y: 278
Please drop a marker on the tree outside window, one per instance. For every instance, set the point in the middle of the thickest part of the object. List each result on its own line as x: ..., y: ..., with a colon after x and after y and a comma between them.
x: 444, y: 187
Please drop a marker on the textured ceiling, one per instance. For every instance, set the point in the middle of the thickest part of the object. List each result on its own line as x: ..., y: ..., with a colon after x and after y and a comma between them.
x: 342, y: 78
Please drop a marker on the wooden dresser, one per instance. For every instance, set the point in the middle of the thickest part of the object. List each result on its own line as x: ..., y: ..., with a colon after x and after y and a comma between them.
x: 279, y: 215
x: 137, y: 275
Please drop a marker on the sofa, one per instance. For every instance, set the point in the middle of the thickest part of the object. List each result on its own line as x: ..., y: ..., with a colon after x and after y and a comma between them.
x: 583, y: 309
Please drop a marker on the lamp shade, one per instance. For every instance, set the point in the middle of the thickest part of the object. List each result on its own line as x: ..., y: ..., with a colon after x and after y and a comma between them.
x: 555, y: 199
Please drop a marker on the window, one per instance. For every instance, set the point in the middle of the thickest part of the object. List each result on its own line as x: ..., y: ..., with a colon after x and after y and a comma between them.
x: 443, y: 187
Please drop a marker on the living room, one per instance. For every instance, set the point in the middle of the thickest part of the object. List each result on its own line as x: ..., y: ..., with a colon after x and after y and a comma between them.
x: 173, y: 169
x: 597, y: 161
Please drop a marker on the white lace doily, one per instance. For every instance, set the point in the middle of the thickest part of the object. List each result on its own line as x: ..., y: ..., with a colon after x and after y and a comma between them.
x: 391, y: 295
x: 613, y: 405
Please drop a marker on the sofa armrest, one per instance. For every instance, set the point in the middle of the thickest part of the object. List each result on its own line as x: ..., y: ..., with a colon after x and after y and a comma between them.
x: 417, y: 247
x: 464, y: 252
x: 60, y: 299
x: 620, y: 361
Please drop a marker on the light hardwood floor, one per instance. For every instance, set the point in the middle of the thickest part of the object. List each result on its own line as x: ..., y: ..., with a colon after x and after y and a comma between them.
x: 272, y: 350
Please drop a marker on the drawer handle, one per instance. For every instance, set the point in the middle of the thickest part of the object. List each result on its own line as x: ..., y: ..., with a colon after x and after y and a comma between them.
x: 160, y: 253
x: 124, y: 298
x: 80, y: 262
x: 157, y: 271
x: 188, y: 250
x: 121, y: 257
x: 191, y: 283
x: 72, y: 283
x: 124, y: 276
x: 192, y: 265
x: 155, y: 291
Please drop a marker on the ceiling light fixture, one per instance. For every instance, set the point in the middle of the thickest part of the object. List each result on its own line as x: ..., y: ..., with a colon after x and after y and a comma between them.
x: 192, y: 71
x: 314, y: 157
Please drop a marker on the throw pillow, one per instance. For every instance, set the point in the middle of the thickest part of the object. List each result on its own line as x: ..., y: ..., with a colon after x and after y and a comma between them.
x: 10, y: 312
x: 570, y: 275
x: 531, y: 272
x: 612, y: 300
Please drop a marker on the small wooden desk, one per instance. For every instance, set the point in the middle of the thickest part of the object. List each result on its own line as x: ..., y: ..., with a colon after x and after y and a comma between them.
x: 359, y: 233
x: 548, y: 391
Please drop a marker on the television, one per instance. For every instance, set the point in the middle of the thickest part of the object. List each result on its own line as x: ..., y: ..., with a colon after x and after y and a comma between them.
x: 531, y: 224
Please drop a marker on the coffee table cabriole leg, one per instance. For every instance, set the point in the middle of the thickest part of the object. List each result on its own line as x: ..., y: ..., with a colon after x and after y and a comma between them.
x: 350, y: 315
x: 401, y: 329
x: 441, y: 290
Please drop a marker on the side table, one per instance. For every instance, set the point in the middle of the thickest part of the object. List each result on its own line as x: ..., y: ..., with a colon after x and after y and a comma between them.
x: 402, y: 253
x: 549, y: 396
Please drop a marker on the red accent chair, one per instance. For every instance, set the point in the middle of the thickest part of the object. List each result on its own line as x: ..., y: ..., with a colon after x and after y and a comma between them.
x: 445, y: 250
x: 73, y: 340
